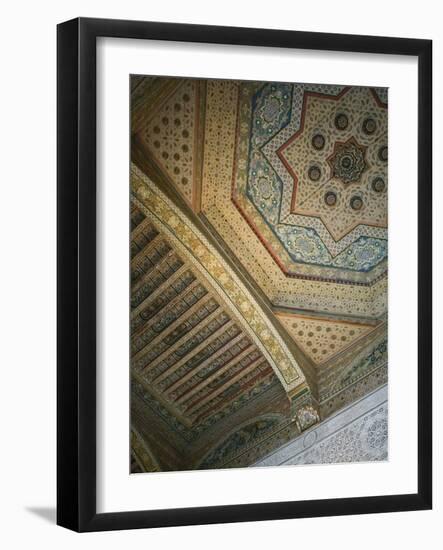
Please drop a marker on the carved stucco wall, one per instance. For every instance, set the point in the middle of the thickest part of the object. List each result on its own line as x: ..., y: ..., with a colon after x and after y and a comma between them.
x: 358, y: 433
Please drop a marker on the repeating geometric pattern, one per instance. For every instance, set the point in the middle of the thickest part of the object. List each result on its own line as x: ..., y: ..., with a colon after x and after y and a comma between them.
x: 265, y: 290
x: 363, y: 441
x: 327, y: 215
x: 170, y: 135
x: 301, y: 155
x: 321, y: 339
x: 359, y: 433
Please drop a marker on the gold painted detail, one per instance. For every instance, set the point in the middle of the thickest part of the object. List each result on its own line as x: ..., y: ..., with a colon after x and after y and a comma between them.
x: 253, y: 319
x: 322, y: 339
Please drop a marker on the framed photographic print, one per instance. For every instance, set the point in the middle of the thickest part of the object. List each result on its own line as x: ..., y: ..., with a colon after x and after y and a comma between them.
x: 244, y: 274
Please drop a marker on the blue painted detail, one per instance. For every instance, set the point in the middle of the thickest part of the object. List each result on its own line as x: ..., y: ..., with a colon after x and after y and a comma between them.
x: 271, y: 112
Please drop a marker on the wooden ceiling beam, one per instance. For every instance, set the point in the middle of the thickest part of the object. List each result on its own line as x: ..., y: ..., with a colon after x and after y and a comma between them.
x: 164, y: 310
x: 205, y: 363
x: 192, y: 391
x: 142, y: 280
x: 159, y: 290
x: 170, y: 328
x: 193, y: 352
x: 226, y: 402
x: 140, y: 228
x: 146, y: 249
x: 199, y: 404
x: 187, y: 336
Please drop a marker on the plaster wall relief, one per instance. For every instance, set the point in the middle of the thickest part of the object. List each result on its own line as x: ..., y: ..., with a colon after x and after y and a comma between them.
x: 259, y: 251
x: 357, y: 433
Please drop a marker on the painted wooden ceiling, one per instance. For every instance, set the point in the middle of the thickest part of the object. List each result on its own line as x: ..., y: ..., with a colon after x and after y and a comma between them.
x: 259, y: 263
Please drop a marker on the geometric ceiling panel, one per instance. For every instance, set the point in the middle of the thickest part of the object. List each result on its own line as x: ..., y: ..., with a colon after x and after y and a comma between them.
x: 321, y: 339
x: 316, y: 176
x: 170, y: 134
x: 295, y: 260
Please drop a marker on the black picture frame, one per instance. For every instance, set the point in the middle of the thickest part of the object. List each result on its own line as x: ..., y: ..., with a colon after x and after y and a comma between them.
x: 76, y: 266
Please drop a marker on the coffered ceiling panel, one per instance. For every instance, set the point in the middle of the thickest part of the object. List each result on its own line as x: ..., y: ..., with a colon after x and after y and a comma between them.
x: 258, y: 263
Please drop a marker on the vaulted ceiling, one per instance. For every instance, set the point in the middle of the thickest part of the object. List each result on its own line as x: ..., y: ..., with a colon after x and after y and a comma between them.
x: 259, y: 263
